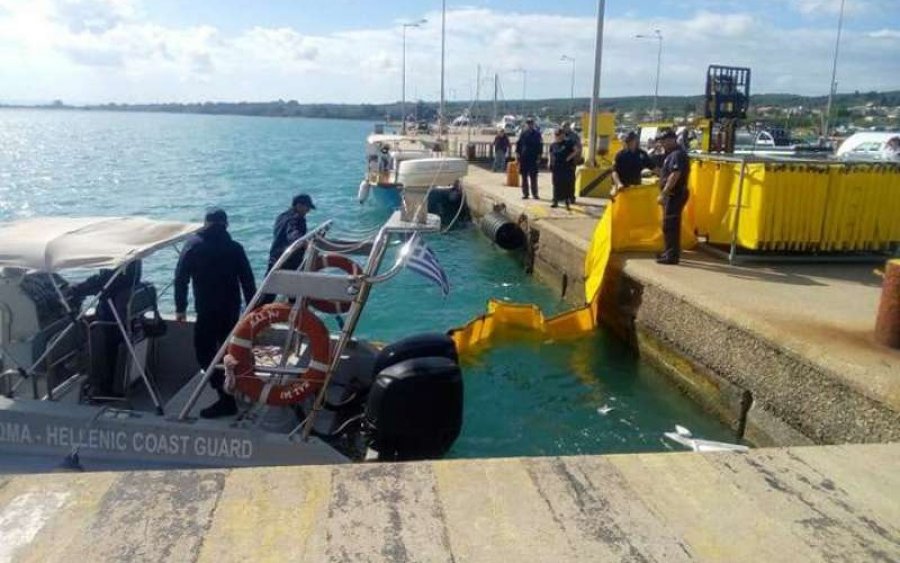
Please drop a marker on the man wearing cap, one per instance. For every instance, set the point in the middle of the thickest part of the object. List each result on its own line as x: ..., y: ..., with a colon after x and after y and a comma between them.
x: 290, y: 226
x: 673, y: 179
x: 629, y: 163
x: 219, y: 272
x: 529, y: 148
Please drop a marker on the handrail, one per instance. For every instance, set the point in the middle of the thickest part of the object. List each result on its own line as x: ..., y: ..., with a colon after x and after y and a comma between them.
x: 378, y: 249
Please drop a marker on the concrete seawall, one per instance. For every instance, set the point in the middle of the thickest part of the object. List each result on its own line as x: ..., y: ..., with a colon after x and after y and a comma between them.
x: 782, y: 353
x: 798, y: 504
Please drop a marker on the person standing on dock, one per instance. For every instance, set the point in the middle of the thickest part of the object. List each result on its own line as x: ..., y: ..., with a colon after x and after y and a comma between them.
x: 501, y: 150
x: 629, y: 163
x: 673, y: 180
x: 219, y: 271
x: 562, y: 168
x: 529, y: 148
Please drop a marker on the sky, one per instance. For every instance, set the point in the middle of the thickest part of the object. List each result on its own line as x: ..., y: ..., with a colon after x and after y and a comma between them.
x: 350, y: 51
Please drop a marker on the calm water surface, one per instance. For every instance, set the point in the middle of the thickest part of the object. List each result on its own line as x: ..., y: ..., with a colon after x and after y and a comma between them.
x: 523, y: 399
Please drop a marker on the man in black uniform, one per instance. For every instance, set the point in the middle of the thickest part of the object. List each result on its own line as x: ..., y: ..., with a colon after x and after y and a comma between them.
x: 219, y: 270
x: 529, y: 148
x: 673, y: 181
x: 290, y: 226
x: 629, y: 163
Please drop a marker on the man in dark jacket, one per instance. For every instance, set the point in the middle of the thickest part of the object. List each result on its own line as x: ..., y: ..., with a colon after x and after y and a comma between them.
x: 219, y: 271
x: 673, y: 182
x: 501, y: 150
x: 529, y: 148
x: 629, y: 163
x: 290, y: 226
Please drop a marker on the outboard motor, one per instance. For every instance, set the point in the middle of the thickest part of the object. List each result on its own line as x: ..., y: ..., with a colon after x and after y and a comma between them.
x: 415, y: 405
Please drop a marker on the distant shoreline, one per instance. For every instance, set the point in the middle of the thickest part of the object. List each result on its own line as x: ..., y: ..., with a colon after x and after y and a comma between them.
x: 670, y: 106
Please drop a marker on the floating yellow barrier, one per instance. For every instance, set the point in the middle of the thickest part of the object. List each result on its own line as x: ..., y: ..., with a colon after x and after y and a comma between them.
x: 637, y: 218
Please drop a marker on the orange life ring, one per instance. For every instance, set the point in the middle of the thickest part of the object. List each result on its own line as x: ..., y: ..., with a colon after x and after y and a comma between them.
x: 329, y: 260
x: 242, y: 363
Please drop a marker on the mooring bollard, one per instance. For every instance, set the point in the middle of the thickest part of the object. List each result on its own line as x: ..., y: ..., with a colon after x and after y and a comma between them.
x: 887, y: 326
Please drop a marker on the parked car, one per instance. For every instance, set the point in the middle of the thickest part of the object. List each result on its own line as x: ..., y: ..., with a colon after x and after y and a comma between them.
x: 865, y: 146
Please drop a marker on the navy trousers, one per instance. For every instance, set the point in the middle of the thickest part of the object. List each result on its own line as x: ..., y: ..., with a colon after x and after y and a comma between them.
x: 673, y: 206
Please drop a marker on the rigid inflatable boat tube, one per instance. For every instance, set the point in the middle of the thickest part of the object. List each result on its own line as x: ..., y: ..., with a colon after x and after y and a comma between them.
x: 506, y: 234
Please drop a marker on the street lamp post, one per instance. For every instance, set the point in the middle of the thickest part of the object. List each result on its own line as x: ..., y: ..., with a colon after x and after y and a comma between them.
x: 657, y: 35
x: 403, y: 95
x: 595, y: 91
x: 524, y: 85
x: 567, y: 58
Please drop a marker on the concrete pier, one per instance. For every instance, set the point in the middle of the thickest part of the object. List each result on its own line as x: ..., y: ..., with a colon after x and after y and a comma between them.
x: 784, y: 352
x: 798, y: 504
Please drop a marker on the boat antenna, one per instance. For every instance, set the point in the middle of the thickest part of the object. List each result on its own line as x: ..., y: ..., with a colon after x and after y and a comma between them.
x: 443, y: 48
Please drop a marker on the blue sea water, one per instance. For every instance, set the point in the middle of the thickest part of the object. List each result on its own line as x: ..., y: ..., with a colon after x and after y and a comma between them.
x: 529, y: 398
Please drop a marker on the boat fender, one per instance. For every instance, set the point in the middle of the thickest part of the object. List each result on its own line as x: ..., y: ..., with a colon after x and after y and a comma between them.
x: 363, y: 193
x: 330, y: 260
x: 503, y: 232
x: 241, y: 366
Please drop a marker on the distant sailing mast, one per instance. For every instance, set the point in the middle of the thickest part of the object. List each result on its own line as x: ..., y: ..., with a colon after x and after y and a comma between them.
x: 443, y: 46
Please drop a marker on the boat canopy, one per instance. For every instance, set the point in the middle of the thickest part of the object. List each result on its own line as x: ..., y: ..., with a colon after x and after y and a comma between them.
x: 52, y: 244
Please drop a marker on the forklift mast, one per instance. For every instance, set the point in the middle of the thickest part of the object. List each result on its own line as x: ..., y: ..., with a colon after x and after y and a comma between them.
x: 727, y: 102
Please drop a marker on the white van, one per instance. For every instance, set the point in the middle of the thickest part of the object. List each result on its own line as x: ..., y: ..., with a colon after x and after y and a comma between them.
x: 865, y: 146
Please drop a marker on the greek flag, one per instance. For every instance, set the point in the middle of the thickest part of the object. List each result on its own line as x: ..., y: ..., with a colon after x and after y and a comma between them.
x: 423, y: 261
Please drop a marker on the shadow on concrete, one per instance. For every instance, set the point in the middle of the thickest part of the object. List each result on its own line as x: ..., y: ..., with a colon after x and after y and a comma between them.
x: 793, y: 273
x: 758, y: 273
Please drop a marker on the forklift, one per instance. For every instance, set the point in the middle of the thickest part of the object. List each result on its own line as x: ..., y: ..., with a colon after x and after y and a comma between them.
x: 727, y: 101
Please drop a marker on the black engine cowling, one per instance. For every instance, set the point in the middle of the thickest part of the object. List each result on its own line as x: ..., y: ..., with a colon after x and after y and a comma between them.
x: 418, y: 346
x: 415, y: 408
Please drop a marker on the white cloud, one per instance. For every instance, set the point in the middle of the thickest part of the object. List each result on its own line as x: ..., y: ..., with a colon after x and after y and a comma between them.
x: 109, y: 50
x: 885, y: 34
x: 94, y: 16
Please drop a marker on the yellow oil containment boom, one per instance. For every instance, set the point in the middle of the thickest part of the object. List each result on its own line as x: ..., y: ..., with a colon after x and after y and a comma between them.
x: 630, y: 223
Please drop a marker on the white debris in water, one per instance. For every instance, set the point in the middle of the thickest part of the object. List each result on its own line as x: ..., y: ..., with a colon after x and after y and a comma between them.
x: 23, y: 517
x: 684, y: 437
x: 605, y: 410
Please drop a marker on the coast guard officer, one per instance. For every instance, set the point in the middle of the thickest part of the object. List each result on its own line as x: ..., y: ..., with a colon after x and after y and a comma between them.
x: 673, y: 196
x: 219, y: 271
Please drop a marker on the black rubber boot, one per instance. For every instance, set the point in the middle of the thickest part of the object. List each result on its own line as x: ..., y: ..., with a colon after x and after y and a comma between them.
x: 225, y: 406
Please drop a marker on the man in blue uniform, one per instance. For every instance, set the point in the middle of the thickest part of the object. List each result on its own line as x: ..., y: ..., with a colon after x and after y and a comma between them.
x: 219, y: 271
x: 673, y: 181
x: 629, y: 163
x: 529, y: 148
x: 290, y: 226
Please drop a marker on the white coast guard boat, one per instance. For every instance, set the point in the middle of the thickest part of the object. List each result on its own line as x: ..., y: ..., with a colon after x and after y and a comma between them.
x: 399, y: 163
x: 306, y: 396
